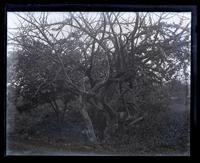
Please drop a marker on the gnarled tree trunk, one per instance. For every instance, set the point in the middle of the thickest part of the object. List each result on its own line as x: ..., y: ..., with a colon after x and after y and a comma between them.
x: 90, y: 130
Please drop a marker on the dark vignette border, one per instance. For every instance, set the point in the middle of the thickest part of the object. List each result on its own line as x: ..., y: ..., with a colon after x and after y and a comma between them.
x: 11, y: 7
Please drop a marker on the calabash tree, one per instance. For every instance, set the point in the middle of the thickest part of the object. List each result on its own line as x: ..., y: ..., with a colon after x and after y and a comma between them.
x: 106, y: 62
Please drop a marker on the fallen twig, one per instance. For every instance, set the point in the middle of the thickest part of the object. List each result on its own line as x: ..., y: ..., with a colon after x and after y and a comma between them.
x: 135, y: 121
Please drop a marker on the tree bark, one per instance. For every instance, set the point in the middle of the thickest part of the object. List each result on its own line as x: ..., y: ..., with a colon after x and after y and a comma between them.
x: 90, y: 130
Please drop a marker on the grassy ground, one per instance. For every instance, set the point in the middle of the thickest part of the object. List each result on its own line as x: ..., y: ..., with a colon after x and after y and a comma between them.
x: 166, y: 133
